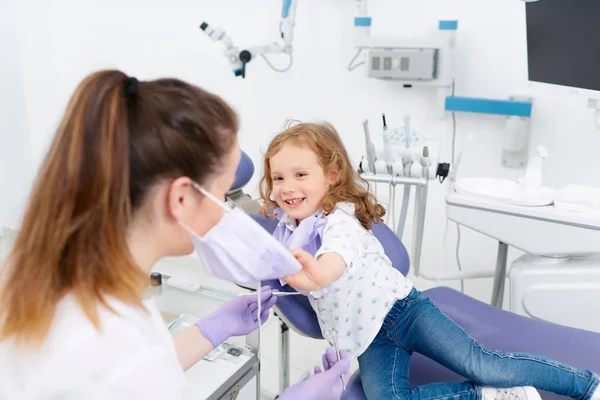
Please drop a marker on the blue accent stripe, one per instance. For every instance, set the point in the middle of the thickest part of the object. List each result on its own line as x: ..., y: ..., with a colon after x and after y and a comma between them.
x: 285, y: 10
x: 362, y: 21
x: 448, y: 25
x: 489, y: 106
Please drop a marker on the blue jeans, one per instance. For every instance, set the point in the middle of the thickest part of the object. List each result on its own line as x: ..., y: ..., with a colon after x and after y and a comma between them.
x: 416, y: 324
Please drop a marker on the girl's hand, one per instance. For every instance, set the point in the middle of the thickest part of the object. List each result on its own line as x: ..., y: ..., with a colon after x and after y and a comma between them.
x: 311, y: 277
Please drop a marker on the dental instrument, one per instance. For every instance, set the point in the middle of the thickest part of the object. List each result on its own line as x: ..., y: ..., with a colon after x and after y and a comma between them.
x: 338, y: 354
x: 371, y: 155
x: 387, y: 146
x: 421, y: 198
x: 278, y: 294
x: 288, y: 294
x: 259, y: 347
x: 406, y: 172
x: 407, y: 162
x: 389, y: 162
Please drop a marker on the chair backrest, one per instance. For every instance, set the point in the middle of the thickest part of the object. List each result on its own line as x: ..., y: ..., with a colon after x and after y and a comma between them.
x: 297, y: 309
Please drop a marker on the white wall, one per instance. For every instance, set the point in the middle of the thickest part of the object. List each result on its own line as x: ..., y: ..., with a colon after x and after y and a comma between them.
x: 15, y: 151
x: 61, y: 41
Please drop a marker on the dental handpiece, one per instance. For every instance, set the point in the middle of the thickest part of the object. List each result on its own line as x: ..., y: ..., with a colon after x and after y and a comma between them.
x: 425, y: 162
x: 407, y: 137
x: 407, y: 155
x: 339, y: 357
x: 387, y: 146
x: 371, y: 155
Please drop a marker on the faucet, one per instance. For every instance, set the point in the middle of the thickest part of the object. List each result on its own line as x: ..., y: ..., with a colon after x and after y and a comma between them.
x: 533, y: 173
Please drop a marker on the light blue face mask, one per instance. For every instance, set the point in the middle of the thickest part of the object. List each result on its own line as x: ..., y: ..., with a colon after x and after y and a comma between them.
x: 239, y: 250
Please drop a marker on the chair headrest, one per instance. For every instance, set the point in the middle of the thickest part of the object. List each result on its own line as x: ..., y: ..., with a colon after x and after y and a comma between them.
x: 392, y: 245
x: 244, y: 172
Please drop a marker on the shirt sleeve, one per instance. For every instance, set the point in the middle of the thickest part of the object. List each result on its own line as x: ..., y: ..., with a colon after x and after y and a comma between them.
x: 344, y: 235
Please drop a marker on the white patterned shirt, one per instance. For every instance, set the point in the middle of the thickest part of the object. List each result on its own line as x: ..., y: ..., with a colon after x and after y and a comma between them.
x: 359, y: 300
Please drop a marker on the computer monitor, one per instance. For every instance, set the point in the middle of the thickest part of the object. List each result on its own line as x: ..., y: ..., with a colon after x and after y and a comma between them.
x: 563, y: 44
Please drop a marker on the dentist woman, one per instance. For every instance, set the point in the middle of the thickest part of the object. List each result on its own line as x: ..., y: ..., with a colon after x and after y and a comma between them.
x: 137, y: 171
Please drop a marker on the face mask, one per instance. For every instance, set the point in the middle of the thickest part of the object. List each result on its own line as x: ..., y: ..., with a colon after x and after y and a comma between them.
x: 239, y: 250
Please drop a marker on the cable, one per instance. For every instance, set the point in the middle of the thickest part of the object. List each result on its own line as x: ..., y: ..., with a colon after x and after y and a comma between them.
x: 258, y: 351
x: 453, y: 127
x: 394, y: 209
x: 275, y: 68
x: 462, y: 281
x: 403, y: 211
x: 597, y: 119
x: 390, y: 206
x: 353, y: 67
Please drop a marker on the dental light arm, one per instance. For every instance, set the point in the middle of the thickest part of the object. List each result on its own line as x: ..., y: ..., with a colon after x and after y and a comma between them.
x: 239, y: 58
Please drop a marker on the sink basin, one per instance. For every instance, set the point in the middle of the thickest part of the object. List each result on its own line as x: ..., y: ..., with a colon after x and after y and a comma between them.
x: 504, y: 191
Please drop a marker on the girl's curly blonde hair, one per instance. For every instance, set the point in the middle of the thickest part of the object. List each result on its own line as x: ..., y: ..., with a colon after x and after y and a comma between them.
x: 325, y: 142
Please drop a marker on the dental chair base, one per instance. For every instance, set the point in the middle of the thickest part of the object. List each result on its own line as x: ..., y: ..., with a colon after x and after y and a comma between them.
x: 560, y: 290
x: 498, y: 329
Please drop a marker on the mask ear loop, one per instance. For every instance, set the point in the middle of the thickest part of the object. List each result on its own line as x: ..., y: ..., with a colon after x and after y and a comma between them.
x: 186, y: 227
x: 211, y: 196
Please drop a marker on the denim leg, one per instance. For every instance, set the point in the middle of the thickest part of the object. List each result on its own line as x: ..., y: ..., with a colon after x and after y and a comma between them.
x: 420, y: 326
x: 384, y: 375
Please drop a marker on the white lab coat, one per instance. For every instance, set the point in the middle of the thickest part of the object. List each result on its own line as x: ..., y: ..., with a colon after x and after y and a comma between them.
x: 133, y: 357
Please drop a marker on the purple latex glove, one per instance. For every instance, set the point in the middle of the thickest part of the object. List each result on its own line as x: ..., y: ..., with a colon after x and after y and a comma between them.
x: 237, y: 317
x: 330, y: 359
x: 323, y: 385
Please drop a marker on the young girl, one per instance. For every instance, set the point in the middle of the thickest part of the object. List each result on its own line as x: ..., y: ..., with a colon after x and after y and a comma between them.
x: 325, y: 214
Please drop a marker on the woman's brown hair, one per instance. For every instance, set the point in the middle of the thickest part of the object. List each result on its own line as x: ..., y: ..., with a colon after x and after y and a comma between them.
x: 325, y: 142
x: 118, y: 137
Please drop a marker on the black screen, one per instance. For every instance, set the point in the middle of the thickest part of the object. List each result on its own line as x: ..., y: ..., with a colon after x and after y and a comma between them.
x: 563, y: 42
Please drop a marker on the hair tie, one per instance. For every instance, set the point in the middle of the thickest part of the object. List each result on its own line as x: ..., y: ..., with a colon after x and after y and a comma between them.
x: 132, y: 86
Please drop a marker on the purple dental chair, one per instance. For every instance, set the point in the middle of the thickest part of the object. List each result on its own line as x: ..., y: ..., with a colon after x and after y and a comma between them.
x: 490, y: 326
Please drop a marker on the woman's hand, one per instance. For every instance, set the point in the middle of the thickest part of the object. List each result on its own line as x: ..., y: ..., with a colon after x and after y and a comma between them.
x: 323, y: 385
x: 237, y: 317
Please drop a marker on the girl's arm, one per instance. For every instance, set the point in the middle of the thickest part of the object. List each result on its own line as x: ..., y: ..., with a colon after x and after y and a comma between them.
x: 316, y: 274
